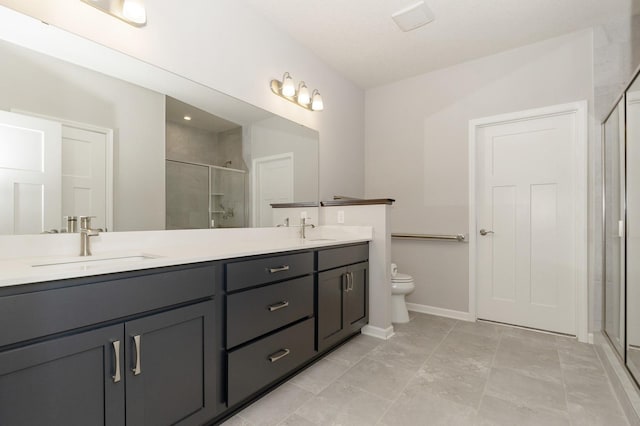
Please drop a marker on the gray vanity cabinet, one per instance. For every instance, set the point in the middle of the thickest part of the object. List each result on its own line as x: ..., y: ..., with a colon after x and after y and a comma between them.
x: 342, y: 293
x: 65, y: 381
x: 169, y: 374
x: 156, y: 364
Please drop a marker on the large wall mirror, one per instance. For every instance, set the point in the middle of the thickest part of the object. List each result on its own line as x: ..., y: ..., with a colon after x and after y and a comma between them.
x: 86, y: 130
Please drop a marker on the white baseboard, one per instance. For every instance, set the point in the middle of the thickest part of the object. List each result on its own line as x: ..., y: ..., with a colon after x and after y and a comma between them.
x: 377, y: 332
x: 441, y: 312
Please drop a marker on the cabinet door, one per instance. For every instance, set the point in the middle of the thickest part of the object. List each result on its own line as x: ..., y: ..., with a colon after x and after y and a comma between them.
x: 66, y: 381
x: 357, y: 309
x: 170, y: 367
x: 331, y: 307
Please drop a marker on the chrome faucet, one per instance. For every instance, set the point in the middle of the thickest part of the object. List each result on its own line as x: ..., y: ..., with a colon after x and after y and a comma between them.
x: 85, y: 233
x: 304, y: 225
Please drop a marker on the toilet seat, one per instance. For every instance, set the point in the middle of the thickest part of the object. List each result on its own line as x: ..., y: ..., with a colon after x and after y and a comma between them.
x: 402, y: 278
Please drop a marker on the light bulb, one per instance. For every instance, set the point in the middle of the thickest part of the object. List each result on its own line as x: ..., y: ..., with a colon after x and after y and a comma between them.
x: 316, y: 103
x: 134, y: 11
x: 288, y: 87
x: 303, y: 94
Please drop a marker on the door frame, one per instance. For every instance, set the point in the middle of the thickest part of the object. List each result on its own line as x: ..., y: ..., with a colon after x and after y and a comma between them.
x: 254, y: 180
x: 109, y: 183
x: 579, y: 149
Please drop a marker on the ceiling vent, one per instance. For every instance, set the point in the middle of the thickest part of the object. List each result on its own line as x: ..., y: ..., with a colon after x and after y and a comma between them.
x: 413, y: 16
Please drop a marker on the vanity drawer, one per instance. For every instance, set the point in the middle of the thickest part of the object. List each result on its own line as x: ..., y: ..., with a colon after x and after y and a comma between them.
x: 268, y: 269
x: 92, y: 300
x: 261, y: 363
x: 341, y: 256
x: 255, y: 312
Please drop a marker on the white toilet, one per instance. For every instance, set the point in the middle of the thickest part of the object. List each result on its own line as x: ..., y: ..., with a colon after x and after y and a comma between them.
x: 401, y: 285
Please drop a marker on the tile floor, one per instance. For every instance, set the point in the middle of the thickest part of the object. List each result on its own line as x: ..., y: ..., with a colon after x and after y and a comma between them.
x: 439, y: 371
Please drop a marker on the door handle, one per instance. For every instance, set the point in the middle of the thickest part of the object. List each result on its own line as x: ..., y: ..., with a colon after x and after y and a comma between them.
x: 484, y: 232
x: 137, y: 367
x: 116, y: 353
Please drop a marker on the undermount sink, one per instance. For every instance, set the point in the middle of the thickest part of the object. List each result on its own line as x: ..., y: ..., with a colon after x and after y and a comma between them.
x: 91, y: 262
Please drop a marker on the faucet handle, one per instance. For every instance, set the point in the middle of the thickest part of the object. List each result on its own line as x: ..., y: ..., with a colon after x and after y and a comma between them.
x: 85, y: 221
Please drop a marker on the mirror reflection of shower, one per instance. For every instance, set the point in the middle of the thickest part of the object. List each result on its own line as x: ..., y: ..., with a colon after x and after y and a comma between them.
x: 203, y: 189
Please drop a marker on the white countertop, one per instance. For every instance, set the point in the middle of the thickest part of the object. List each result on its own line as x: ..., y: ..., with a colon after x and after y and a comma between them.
x: 113, y: 251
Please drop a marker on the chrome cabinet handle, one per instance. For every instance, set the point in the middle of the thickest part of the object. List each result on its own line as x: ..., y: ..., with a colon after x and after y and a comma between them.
x: 278, y: 305
x: 279, y: 269
x: 484, y: 232
x: 279, y: 355
x: 116, y: 352
x: 345, y: 281
x: 350, y: 281
x: 137, y: 368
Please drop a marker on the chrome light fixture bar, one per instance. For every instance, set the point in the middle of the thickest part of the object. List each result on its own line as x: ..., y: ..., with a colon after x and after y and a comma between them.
x: 132, y: 12
x: 287, y: 89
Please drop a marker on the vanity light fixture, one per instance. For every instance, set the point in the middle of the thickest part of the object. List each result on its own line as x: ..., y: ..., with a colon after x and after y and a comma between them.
x: 287, y: 89
x: 132, y: 12
x: 187, y: 117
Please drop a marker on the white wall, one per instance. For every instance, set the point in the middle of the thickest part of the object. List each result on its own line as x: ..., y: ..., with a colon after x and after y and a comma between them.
x: 417, y: 139
x: 227, y: 46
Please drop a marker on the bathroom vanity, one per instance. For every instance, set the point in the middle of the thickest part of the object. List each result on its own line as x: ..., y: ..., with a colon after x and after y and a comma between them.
x: 186, y: 344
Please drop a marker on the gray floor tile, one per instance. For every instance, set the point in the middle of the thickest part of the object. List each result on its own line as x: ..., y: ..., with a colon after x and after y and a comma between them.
x: 454, y: 385
x: 236, y: 421
x: 355, y: 349
x: 377, y: 378
x: 497, y: 411
x: 343, y: 404
x: 521, y: 389
x: 276, y: 406
x: 540, y: 361
x: 404, y: 351
x: 480, y: 328
x: 321, y: 374
x: 532, y: 337
x: 465, y: 352
x: 296, y: 420
x: 419, y: 406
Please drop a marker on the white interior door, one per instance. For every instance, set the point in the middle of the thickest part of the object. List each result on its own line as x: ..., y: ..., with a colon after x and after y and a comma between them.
x: 526, y: 202
x: 273, y: 183
x: 84, y: 174
x: 30, y: 179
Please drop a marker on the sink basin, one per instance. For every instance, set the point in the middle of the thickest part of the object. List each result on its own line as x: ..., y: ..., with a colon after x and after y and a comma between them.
x: 84, y: 263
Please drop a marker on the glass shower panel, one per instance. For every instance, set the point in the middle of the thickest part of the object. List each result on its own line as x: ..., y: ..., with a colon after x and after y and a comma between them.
x: 614, y: 292
x: 633, y: 228
x: 187, y: 203
x: 227, y: 198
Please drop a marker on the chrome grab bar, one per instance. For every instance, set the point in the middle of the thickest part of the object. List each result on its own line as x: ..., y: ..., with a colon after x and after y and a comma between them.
x: 458, y: 237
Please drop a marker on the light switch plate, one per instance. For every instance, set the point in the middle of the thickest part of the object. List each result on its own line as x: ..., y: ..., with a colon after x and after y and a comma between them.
x: 340, y: 216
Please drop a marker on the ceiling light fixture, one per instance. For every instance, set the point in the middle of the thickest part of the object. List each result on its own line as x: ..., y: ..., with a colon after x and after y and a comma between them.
x: 287, y: 89
x: 132, y: 12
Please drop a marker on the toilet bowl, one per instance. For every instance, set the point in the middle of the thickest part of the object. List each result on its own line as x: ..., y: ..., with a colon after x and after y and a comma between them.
x: 401, y: 285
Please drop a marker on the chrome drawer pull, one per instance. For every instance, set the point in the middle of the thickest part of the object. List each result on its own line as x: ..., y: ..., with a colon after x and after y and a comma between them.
x: 116, y: 352
x: 137, y: 369
x: 279, y: 355
x: 279, y: 269
x: 278, y: 305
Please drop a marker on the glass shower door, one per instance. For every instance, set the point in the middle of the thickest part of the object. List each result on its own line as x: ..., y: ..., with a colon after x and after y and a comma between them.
x: 633, y: 228
x: 614, y: 241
